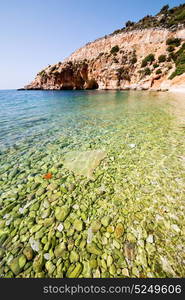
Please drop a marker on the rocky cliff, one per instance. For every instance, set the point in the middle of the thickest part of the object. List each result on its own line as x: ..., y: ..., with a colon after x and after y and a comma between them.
x: 133, y: 58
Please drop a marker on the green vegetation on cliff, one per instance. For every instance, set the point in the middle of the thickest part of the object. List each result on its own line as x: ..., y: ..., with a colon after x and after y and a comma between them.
x: 179, y: 58
x: 148, y: 59
x: 114, y: 49
x: 166, y: 18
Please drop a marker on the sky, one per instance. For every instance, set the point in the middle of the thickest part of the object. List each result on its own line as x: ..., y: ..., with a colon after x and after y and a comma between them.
x: 36, y: 33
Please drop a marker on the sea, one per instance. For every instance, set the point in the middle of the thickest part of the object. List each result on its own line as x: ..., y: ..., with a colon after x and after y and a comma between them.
x: 132, y: 143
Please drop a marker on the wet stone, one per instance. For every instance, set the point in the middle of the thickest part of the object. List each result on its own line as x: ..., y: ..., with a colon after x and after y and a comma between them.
x: 119, y: 230
x: 83, y: 163
x: 61, y: 213
x: 78, y: 225
x: 95, y: 226
x: 28, y: 252
x: 105, y: 221
x: 93, y: 249
x: 59, y: 250
x: 129, y: 250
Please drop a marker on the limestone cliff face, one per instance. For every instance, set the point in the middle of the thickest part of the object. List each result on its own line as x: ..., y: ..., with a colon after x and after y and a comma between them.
x: 115, y: 62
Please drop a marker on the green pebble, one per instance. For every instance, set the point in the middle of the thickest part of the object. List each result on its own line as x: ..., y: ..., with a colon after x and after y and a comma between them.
x: 44, y: 240
x: 28, y: 252
x: 131, y: 238
x: 119, y: 230
x: 38, y: 263
x: 112, y: 269
x: 59, y: 249
x: 95, y: 226
x: 78, y: 225
x: 48, y: 222
x: 109, y: 260
x: 61, y: 213
x: 93, y: 263
x: 2, y: 252
x: 40, y: 191
x: 22, y: 261
x: 93, y: 249
x: 14, y: 266
x: 76, y: 271
x: 74, y: 257
x: 35, y: 228
x: 67, y: 225
x: 50, y: 267
x: 116, y: 244
x: 105, y: 221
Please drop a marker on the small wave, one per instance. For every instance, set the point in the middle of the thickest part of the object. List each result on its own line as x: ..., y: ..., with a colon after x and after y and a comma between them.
x: 37, y: 121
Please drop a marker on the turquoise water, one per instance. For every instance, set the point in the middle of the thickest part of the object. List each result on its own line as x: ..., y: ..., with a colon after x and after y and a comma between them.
x: 30, y: 116
x: 138, y: 182
x: 27, y: 115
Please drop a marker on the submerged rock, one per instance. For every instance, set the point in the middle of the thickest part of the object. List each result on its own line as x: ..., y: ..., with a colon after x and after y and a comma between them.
x: 38, y: 263
x: 76, y: 271
x: 59, y: 249
x: 74, y: 257
x: 129, y: 250
x: 84, y: 163
x: 119, y: 230
x: 95, y: 226
x: 78, y: 225
x: 61, y: 213
x: 50, y: 267
x: 16, y: 265
x: 93, y: 249
x: 106, y: 221
x: 28, y: 252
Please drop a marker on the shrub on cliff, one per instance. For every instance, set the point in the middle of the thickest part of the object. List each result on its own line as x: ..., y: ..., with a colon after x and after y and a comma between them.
x: 180, y: 17
x: 162, y: 58
x: 123, y: 74
x: 170, y: 48
x: 149, y: 58
x: 180, y: 69
x: 134, y: 58
x: 155, y: 66
x: 166, y: 18
x: 129, y: 23
x: 171, y: 56
x: 158, y: 71
x: 53, y: 68
x: 42, y: 73
x: 179, y: 58
x: 164, y: 9
x: 114, y: 49
x: 180, y: 52
x: 175, y: 42
x: 147, y: 71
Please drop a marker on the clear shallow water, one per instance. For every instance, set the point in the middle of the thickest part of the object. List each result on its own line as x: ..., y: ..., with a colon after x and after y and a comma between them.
x: 140, y: 184
x: 26, y: 115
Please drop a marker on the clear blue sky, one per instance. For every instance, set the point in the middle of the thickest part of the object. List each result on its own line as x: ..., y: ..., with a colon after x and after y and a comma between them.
x: 35, y: 33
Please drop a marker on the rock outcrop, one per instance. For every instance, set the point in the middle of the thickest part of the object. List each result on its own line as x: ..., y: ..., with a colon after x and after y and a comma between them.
x: 130, y: 59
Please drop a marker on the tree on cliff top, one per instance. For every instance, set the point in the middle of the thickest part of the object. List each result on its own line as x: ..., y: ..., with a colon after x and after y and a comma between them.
x: 164, y: 9
x: 129, y: 23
